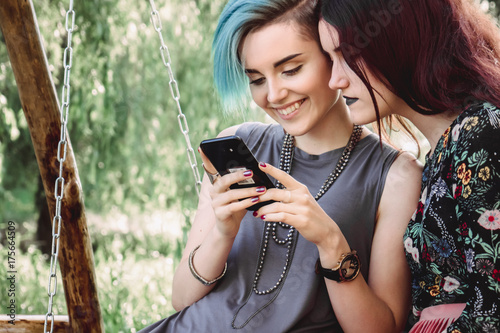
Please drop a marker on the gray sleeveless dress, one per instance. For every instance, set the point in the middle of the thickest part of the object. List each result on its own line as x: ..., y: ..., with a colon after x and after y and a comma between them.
x: 301, y: 302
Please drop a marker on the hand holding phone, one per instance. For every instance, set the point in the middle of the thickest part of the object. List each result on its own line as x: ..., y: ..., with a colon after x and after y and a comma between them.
x: 230, y: 154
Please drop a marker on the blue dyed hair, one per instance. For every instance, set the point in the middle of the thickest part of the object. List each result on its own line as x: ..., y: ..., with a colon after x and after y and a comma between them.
x: 238, y: 19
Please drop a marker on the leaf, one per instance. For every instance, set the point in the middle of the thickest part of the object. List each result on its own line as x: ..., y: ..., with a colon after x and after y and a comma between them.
x: 464, y: 155
x: 483, y: 256
x: 477, y: 158
x: 487, y: 248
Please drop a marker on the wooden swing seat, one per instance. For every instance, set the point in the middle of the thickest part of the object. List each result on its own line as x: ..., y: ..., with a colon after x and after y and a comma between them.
x: 32, y: 323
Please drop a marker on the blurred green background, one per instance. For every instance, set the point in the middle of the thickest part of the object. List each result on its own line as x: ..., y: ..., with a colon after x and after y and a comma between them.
x: 138, y: 186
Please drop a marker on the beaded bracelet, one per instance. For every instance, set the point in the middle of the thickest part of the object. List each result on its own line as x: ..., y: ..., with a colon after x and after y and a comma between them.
x: 197, y: 276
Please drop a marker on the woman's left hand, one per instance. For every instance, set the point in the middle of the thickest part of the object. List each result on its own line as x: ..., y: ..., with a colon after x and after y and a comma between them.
x: 296, y: 206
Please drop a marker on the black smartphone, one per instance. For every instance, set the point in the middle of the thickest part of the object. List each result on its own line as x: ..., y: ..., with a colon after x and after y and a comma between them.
x: 230, y: 154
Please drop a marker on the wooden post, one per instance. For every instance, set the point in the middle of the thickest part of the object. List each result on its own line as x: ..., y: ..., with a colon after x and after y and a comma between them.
x: 41, y: 108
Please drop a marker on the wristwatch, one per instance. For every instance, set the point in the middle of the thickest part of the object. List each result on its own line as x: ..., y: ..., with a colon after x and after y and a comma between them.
x: 346, y: 269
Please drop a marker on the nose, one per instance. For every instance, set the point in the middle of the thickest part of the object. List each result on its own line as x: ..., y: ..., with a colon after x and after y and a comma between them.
x: 276, y: 91
x: 338, y: 78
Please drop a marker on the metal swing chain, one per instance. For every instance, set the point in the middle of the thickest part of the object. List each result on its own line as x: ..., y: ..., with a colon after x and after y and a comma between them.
x: 174, y: 90
x: 59, y: 183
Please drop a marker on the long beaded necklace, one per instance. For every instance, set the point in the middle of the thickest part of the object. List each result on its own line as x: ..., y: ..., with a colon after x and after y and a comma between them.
x: 286, y: 159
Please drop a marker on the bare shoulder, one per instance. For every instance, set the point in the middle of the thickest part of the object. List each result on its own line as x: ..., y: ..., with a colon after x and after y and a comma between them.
x: 401, y: 191
x: 406, y: 170
x: 229, y: 131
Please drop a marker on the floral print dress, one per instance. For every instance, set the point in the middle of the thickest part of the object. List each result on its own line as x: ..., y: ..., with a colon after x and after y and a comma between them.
x: 452, y: 243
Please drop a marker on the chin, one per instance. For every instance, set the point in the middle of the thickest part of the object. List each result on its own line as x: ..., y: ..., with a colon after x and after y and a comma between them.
x: 294, y: 130
x: 362, y: 117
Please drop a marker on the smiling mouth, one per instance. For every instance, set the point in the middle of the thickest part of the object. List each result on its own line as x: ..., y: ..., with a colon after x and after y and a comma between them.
x: 286, y: 111
x: 349, y: 100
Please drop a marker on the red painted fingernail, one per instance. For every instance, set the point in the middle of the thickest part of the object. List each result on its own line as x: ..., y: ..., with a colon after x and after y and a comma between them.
x: 247, y: 173
x: 261, y: 189
x: 255, y: 199
x: 255, y: 213
x: 263, y: 217
x: 262, y: 164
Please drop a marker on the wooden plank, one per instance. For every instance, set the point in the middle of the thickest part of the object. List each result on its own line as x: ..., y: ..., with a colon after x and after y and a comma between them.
x: 40, y: 106
x: 30, y: 324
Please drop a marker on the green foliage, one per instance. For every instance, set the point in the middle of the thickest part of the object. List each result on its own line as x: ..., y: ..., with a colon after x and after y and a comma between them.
x: 122, y: 121
x: 133, y: 272
x: 134, y: 278
x: 31, y: 284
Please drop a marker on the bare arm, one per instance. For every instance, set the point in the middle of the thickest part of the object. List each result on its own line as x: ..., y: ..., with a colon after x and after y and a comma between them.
x: 210, y: 257
x: 214, y: 228
x: 385, y: 301
x: 382, y: 303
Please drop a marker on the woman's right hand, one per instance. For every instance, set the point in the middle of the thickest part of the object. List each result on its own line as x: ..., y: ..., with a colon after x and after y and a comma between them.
x: 230, y: 205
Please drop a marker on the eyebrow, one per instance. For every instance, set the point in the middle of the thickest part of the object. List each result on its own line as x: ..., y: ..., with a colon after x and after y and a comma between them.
x: 276, y: 64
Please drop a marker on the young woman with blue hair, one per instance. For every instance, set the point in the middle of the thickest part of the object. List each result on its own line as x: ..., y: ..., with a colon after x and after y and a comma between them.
x: 323, y: 256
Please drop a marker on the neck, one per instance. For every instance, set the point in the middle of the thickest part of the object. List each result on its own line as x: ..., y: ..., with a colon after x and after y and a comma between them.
x: 330, y: 133
x: 432, y: 126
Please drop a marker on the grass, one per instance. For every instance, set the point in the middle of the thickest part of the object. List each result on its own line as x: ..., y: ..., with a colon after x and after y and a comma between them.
x: 135, y: 258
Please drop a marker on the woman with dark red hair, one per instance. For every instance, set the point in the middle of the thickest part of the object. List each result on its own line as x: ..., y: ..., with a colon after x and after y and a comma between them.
x: 436, y: 63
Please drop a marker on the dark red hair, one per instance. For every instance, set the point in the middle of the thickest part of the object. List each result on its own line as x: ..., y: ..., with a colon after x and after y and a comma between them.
x: 436, y: 55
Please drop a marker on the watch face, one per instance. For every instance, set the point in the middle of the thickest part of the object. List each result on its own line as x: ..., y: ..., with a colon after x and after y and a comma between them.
x: 350, y: 267
x: 346, y: 270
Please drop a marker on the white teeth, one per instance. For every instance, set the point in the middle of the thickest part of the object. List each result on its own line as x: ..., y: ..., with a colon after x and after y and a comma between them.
x: 289, y: 109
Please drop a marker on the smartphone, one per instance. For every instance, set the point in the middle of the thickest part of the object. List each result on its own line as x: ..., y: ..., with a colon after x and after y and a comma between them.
x: 230, y: 154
